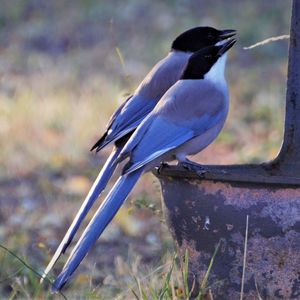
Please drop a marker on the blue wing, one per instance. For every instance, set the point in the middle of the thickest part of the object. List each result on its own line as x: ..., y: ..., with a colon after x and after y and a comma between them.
x: 127, y: 119
x: 157, y: 135
x: 98, y: 145
x: 160, y: 137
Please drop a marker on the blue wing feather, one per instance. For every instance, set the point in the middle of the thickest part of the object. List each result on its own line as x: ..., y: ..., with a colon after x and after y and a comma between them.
x: 156, y: 136
x: 132, y: 114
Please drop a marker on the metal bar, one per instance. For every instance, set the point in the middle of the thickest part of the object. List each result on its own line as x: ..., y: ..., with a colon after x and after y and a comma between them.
x: 288, y: 159
x: 255, y: 174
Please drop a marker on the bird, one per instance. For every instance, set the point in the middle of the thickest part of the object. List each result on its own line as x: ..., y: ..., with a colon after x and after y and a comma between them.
x: 188, y: 118
x: 132, y: 112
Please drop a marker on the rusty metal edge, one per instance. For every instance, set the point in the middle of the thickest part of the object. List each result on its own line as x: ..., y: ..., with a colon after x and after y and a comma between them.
x: 251, y: 173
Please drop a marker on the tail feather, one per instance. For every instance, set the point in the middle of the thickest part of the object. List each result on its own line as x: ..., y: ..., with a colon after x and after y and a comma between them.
x: 98, y: 186
x: 101, y: 219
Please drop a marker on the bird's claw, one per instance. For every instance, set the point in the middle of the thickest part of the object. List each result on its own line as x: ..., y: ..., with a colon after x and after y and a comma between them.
x: 187, y: 166
x: 161, y: 166
x: 191, y: 166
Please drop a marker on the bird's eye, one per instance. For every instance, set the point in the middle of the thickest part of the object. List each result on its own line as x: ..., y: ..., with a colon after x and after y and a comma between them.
x: 207, y: 56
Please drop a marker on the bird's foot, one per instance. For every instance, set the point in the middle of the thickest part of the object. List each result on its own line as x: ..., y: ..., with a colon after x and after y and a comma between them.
x: 192, y: 166
x: 161, y: 166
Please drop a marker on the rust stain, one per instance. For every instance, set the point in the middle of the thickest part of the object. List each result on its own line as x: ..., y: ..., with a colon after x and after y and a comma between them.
x: 273, y: 262
x: 282, y: 205
x: 273, y: 259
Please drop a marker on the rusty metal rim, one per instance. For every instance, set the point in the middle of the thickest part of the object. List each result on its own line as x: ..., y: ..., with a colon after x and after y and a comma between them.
x: 248, y: 173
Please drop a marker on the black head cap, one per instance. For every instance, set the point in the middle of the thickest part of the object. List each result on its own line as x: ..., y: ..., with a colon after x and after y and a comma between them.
x: 202, y: 61
x: 197, y: 38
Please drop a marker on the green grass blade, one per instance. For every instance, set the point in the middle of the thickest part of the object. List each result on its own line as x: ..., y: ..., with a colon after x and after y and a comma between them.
x: 185, y: 274
x: 135, y: 294
x: 28, y: 266
x: 205, y: 279
x: 166, y: 288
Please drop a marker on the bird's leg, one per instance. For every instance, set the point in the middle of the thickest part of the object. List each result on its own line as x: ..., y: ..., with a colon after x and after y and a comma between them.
x: 163, y: 164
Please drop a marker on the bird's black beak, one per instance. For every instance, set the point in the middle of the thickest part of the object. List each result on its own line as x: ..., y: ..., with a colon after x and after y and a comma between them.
x: 226, y: 46
x: 227, y: 33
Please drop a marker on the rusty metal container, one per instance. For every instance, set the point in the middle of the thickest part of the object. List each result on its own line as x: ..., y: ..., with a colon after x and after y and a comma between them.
x: 201, y: 213
x: 251, y: 211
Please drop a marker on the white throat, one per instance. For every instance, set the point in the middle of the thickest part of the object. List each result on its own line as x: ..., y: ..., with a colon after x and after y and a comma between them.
x: 216, y: 73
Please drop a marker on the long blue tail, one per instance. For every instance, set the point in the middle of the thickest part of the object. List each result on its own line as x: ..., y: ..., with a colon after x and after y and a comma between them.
x: 98, y: 186
x: 101, y: 219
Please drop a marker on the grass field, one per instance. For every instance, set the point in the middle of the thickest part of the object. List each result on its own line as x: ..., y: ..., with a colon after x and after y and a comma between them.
x: 64, y: 68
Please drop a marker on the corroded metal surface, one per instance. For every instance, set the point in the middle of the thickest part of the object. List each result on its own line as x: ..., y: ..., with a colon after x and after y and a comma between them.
x: 208, y: 212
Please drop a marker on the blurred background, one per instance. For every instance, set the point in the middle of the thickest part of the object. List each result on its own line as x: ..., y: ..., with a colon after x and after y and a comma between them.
x: 65, y: 66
